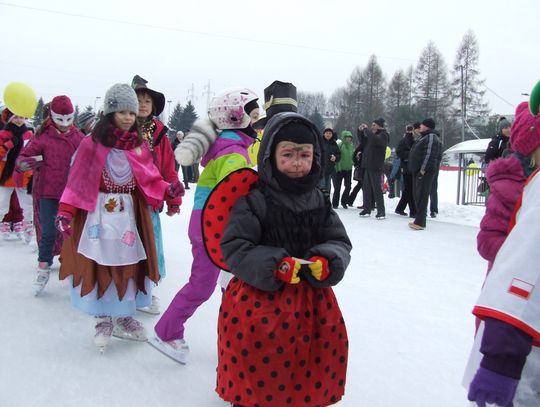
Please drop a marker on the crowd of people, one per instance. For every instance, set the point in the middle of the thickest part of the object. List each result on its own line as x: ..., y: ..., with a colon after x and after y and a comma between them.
x: 412, y: 174
x: 93, y: 193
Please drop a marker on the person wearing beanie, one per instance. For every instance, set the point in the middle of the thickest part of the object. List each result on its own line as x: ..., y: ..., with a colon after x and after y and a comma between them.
x: 407, y: 196
x: 49, y: 155
x: 86, y: 121
x: 154, y: 133
x: 499, y: 143
x: 424, y: 161
x: 109, y: 253
x: 373, y: 157
x: 232, y: 114
x: 343, y: 170
x: 332, y: 154
x: 286, y: 249
x: 505, y: 361
x: 13, y: 138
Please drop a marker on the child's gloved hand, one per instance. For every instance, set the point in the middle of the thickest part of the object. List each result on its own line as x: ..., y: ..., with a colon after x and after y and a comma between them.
x: 175, y: 188
x: 62, y: 222
x: 319, y: 268
x: 26, y: 164
x: 490, y: 387
x: 288, y: 270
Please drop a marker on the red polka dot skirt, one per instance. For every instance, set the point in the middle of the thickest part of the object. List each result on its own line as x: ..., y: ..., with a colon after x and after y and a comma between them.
x: 285, y: 348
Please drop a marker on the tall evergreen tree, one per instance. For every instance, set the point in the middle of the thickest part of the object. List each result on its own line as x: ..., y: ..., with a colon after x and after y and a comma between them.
x: 375, y: 89
x: 38, y: 115
x: 318, y: 120
x: 76, y: 114
x: 399, y: 107
x: 431, y: 83
x: 175, y: 119
x: 188, y: 117
x: 469, y: 88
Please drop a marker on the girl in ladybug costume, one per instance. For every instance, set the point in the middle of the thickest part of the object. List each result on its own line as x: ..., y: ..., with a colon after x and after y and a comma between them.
x: 281, y: 336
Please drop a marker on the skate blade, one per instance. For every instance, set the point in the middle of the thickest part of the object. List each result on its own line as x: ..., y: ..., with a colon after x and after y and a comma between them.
x: 129, y: 338
x: 155, y: 343
x: 149, y: 311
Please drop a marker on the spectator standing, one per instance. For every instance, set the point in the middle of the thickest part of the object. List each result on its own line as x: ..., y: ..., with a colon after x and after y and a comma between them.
x: 332, y: 154
x: 373, y: 162
x: 343, y: 170
x: 407, y: 197
x: 423, y: 162
x: 499, y: 143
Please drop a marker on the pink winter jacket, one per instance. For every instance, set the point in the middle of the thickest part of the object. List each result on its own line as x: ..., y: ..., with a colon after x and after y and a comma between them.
x: 506, y: 179
x: 56, y: 148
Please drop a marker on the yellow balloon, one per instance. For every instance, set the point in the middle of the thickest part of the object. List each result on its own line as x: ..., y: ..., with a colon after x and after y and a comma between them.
x: 20, y: 99
x: 388, y: 153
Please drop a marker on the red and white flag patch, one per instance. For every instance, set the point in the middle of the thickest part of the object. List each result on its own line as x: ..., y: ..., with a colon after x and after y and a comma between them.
x: 520, y: 288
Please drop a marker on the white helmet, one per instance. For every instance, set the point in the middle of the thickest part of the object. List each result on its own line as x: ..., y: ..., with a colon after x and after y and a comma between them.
x: 227, y: 110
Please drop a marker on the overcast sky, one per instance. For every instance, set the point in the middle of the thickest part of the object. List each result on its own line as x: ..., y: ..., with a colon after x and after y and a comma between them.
x: 81, y: 49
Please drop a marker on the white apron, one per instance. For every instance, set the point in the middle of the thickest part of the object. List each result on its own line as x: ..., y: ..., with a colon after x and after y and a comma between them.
x: 110, y: 235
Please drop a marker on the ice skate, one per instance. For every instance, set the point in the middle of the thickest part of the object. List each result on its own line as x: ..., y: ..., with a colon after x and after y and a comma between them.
x: 5, y: 230
x: 104, y: 327
x: 28, y: 231
x: 18, y: 228
x: 129, y: 328
x: 152, y: 308
x: 177, y: 350
x: 43, y: 272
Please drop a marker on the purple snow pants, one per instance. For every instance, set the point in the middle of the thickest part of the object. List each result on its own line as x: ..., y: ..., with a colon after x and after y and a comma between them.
x: 202, y: 283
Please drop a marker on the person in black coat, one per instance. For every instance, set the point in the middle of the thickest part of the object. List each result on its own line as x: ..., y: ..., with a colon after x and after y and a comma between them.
x: 499, y: 143
x: 423, y: 164
x: 286, y: 247
x: 332, y: 155
x: 407, y: 197
x: 373, y: 164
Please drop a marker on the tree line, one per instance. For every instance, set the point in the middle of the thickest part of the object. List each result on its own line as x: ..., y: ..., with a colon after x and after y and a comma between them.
x: 428, y: 89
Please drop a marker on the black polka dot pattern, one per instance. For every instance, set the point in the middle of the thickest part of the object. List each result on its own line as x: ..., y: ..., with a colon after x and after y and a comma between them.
x: 287, y: 348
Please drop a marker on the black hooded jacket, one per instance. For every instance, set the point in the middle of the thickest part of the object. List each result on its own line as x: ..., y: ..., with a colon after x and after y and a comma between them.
x: 271, y: 223
x: 426, y: 153
x: 330, y: 147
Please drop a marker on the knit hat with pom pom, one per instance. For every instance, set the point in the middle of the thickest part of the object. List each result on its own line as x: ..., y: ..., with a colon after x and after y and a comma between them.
x: 525, y: 131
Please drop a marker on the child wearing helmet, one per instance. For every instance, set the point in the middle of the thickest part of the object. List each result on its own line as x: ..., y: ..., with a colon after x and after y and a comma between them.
x: 231, y: 114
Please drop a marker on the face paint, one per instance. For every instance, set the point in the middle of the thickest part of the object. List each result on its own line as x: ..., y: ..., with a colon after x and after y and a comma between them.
x: 294, y: 160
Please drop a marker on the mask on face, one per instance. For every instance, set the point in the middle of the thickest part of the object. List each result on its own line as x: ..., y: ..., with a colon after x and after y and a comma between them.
x: 65, y: 120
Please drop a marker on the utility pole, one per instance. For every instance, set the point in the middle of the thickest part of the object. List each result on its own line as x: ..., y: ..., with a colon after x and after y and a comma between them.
x: 207, y: 91
x: 191, y: 94
x: 462, y: 106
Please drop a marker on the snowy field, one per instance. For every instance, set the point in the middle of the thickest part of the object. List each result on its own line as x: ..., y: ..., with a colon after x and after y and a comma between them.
x: 406, y: 298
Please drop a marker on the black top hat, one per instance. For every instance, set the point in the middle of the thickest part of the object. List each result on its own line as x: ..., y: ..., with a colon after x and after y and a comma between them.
x: 158, y: 98
x: 279, y: 97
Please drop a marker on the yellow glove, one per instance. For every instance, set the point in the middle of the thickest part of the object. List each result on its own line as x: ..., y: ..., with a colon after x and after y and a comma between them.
x: 288, y: 270
x: 319, y: 268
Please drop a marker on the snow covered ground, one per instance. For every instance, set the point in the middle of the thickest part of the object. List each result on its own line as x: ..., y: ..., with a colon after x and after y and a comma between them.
x: 406, y: 299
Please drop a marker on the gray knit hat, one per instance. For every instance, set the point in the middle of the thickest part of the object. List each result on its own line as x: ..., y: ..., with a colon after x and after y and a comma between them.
x: 120, y: 97
x: 503, y: 124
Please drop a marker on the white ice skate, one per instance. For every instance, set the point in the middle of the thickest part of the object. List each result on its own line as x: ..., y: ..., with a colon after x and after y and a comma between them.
x: 104, y: 327
x: 42, y: 278
x: 152, y: 308
x: 177, y: 350
x: 129, y: 328
x: 5, y: 230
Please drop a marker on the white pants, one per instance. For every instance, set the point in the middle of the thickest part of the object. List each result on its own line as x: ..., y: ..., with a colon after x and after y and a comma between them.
x: 25, y: 201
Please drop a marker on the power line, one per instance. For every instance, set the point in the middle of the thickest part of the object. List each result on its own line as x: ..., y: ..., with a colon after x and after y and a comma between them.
x: 500, y: 97
x: 207, y: 34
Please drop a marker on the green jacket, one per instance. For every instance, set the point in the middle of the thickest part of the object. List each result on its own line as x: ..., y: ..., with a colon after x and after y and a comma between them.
x: 347, y: 149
